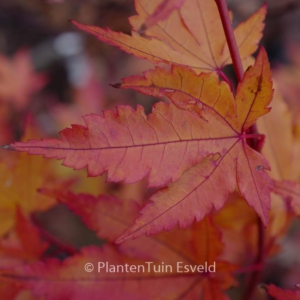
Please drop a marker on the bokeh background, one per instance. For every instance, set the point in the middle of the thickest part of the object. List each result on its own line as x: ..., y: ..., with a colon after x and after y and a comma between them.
x: 51, y: 74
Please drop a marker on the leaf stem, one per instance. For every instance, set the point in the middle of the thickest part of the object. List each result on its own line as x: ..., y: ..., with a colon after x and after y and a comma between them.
x: 253, y: 136
x: 233, y: 48
x: 255, y: 143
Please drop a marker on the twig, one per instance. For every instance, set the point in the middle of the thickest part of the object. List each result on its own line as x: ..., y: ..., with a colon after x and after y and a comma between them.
x: 233, y: 48
x: 256, y: 144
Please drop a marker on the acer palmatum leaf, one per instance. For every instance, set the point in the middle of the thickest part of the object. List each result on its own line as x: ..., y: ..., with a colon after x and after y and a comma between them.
x: 170, y: 141
x: 204, y: 186
x: 190, y: 91
x: 233, y: 161
x: 60, y: 279
x: 129, y: 145
x: 109, y: 216
x: 191, y: 36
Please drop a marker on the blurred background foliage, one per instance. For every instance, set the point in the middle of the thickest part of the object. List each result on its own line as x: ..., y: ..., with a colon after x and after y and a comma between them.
x: 52, y: 74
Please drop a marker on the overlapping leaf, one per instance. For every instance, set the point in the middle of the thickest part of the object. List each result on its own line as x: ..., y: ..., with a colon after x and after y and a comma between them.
x: 204, y: 186
x: 106, y: 215
x: 189, y: 91
x: 102, y: 212
x: 69, y: 280
x: 191, y: 36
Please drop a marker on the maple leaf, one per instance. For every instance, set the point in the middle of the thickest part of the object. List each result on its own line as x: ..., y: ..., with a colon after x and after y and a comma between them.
x: 106, y: 212
x: 280, y: 294
x: 205, y: 179
x: 123, y: 144
x: 67, y: 279
x: 108, y: 217
x: 161, y: 213
x: 190, y: 91
x: 191, y: 36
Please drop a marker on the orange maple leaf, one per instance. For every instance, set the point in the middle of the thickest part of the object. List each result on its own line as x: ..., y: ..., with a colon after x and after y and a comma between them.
x: 191, y: 36
x: 190, y: 91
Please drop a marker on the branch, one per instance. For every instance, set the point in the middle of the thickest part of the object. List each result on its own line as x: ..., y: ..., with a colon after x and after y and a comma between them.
x: 233, y: 48
x: 256, y: 144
